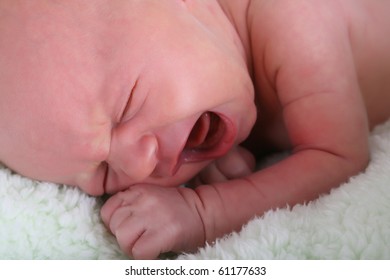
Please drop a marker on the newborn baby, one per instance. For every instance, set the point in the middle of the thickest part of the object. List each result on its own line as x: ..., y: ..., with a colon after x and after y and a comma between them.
x: 134, y: 98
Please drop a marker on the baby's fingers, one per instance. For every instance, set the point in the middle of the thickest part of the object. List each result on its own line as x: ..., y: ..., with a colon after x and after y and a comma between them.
x: 109, y: 208
x: 138, y: 238
x: 119, y: 218
x: 127, y: 234
x: 116, y: 201
x: 151, y: 244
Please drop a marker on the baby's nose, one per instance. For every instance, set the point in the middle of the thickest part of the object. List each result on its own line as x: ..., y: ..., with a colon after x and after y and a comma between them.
x: 137, y: 159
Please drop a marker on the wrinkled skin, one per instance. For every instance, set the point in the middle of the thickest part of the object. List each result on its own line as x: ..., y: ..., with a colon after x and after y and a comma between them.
x: 111, y: 108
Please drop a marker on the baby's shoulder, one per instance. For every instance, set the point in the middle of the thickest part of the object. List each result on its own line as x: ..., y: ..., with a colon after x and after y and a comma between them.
x: 288, y: 32
x: 283, y: 17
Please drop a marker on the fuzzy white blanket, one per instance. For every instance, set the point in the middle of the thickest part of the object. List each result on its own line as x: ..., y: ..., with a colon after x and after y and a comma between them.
x: 41, y: 220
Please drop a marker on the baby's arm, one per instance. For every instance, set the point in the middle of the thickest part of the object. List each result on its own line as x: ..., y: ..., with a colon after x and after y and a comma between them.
x: 311, y: 66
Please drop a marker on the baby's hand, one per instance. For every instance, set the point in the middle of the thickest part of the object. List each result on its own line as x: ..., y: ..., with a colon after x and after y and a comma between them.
x: 238, y: 163
x: 148, y: 220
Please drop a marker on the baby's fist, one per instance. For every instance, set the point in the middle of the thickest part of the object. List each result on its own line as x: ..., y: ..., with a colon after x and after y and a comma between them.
x: 148, y: 220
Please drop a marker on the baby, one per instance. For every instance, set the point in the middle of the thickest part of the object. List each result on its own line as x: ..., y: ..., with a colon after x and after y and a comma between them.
x: 135, y: 97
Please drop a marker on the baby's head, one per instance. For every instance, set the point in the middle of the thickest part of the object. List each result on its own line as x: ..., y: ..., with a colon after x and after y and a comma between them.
x: 105, y: 94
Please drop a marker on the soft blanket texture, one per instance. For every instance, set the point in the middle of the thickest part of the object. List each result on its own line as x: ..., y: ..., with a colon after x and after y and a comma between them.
x: 47, y: 221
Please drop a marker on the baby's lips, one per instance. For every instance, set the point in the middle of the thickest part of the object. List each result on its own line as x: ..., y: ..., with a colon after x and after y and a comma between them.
x: 210, y: 136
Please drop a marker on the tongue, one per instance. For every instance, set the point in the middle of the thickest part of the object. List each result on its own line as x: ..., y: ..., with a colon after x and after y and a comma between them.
x: 199, y: 132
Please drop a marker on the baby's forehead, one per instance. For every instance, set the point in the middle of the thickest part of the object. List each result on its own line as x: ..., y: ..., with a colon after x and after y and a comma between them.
x: 57, y: 68
x: 67, y: 45
x: 89, y: 18
x: 85, y: 15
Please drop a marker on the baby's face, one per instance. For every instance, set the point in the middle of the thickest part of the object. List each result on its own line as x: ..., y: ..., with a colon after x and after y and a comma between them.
x: 120, y: 92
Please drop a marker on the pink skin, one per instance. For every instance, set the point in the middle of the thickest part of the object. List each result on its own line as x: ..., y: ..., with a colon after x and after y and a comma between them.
x: 156, y: 98
x: 108, y: 110
x: 97, y: 104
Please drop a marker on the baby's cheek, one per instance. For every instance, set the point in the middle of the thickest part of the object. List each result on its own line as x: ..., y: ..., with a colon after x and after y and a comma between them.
x: 92, y: 182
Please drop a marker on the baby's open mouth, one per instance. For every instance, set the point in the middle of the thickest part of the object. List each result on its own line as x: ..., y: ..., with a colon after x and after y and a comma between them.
x: 206, y: 133
x: 211, y: 136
